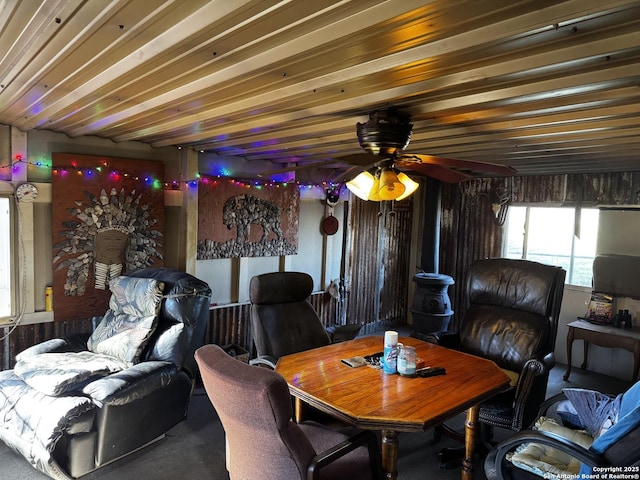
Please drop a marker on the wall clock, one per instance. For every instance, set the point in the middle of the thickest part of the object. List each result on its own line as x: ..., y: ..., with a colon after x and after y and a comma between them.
x: 26, y: 192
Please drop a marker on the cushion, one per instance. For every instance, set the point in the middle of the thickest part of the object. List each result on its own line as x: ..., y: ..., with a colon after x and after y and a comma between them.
x: 507, y: 336
x: 57, y: 373
x: 514, y: 377
x: 596, y: 411
x: 546, y: 461
x: 131, y: 319
x: 32, y: 420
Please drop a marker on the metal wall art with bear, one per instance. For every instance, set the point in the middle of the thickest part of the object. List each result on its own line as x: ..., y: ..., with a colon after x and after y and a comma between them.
x: 235, y: 220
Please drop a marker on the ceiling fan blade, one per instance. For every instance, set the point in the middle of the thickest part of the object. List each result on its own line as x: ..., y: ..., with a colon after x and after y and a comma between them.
x: 468, y: 166
x: 364, y: 160
x: 444, y: 174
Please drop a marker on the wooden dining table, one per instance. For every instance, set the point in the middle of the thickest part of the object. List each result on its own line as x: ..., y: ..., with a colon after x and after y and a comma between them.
x: 368, y: 398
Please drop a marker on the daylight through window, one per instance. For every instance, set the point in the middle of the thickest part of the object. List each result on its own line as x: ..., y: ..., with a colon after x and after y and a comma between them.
x: 546, y: 235
x: 5, y: 258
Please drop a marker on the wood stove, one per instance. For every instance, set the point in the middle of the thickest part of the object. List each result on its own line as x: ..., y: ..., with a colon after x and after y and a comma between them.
x: 431, y: 308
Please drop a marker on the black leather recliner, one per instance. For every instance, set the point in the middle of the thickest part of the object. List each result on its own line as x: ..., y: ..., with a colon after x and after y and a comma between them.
x: 114, y: 415
x: 512, y: 319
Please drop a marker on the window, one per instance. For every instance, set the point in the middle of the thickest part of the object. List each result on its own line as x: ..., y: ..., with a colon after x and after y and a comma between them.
x: 546, y: 235
x: 6, y: 294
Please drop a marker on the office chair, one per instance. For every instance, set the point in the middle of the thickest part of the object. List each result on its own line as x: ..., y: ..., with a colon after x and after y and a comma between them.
x: 282, y: 319
x: 263, y: 442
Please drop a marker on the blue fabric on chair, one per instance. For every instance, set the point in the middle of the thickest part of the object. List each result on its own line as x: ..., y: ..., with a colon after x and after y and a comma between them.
x: 628, y: 420
x: 615, y: 448
x: 596, y: 411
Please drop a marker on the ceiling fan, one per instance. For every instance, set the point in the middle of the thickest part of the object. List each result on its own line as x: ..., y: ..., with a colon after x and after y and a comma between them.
x: 383, y: 138
x: 387, y: 133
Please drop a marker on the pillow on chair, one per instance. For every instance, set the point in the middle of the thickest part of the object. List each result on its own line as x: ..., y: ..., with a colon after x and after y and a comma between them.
x: 546, y: 461
x: 131, y: 319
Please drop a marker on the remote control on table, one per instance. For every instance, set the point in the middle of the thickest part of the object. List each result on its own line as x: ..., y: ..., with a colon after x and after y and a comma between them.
x: 431, y: 371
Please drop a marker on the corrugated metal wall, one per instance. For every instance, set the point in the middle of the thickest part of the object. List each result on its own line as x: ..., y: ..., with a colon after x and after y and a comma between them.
x: 377, y: 277
x: 468, y: 231
x: 395, y: 238
x: 25, y: 336
x: 229, y: 324
x: 363, y: 267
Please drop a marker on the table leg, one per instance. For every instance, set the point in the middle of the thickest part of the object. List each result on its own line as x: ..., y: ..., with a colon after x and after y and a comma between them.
x: 470, y: 432
x: 299, y: 410
x: 390, y: 454
x: 586, y: 353
x: 569, y: 347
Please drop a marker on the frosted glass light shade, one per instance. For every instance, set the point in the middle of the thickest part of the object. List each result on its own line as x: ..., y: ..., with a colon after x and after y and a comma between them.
x: 409, y: 186
x: 390, y: 186
x: 361, y: 185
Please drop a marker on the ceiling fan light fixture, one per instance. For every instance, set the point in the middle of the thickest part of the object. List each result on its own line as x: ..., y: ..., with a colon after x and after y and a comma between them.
x: 390, y: 186
x: 385, y: 133
x: 384, y: 184
x: 375, y: 188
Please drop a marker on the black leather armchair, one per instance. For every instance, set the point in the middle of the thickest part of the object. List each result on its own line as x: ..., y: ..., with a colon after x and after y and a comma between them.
x: 512, y: 319
x: 282, y: 319
x: 107, y: 416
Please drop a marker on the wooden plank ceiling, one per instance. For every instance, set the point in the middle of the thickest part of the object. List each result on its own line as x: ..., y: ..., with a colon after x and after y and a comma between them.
x: 545, y: 87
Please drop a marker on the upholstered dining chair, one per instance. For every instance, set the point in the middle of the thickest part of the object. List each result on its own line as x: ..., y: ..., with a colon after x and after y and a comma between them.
x: 263, y: 442
x: 512, y: 319
x: 283, y: 321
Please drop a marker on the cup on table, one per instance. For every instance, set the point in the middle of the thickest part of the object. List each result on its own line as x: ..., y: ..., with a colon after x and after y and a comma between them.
x: 406, y: 363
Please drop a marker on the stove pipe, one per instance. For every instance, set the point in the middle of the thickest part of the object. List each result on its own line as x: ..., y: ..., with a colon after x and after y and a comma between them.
x: 431, y: 308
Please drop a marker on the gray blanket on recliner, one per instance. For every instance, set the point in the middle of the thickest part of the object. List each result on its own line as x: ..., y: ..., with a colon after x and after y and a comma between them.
x: 42, y: 396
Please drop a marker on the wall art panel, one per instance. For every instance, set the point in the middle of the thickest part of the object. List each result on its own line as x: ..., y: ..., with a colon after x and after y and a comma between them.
x: 236, y: 219
x: 108, y: 219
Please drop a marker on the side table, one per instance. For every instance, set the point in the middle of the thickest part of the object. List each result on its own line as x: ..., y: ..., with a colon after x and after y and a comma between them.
x: 604, y: 336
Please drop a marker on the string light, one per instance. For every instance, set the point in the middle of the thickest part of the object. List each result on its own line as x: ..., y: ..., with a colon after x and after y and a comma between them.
x: 118, y: 175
